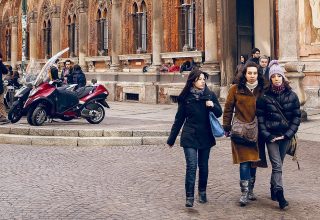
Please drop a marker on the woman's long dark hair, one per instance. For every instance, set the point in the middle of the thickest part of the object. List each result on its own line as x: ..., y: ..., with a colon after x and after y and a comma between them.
x: 243, y: 80
x: 193, y: 77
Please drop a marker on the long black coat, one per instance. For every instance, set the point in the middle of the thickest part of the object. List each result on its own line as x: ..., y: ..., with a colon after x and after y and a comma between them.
x: 194, y: 115
x: 271, y: 124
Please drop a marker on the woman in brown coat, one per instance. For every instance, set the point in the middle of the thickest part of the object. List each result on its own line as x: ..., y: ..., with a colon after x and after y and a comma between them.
x: 242, y: 98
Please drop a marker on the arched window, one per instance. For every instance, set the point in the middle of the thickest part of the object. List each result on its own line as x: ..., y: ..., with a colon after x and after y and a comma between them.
x: 187, y: 40
x: 139, y: 16
x: 73, y: 35
x: 102, y: 32
x: 8, y: 43
x: 47, y: 41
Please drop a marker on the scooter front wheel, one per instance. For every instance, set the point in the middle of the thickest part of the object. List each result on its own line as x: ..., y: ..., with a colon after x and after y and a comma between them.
x: 39, y: 116
x: 15, y: 113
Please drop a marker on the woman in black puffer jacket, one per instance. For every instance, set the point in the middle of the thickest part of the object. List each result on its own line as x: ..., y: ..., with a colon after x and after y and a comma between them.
x: 276, y: 130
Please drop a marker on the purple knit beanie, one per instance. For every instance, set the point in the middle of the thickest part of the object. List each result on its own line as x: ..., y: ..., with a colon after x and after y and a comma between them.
x: 275, y: 68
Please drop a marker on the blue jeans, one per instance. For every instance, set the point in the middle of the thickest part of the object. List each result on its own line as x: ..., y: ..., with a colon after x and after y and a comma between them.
x: 246, y: 171
x: 196, y: 157
x: 277, y: 151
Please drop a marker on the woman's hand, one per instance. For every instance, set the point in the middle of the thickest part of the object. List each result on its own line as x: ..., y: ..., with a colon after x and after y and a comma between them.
x: 209, y: 103
x: 277, y: 139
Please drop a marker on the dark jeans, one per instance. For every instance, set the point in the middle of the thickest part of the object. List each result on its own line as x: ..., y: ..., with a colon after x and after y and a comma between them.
x: 196, y: 157
x: 246, y: 171
x: 277, y: 151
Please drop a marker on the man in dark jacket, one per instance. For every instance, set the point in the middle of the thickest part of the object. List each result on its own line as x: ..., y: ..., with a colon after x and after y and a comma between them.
x: 54, y: 71
x: 3, y: 113
x: 263, y: 67
x: 66, y: 74
x: 255, y: 55
x: 78, y: 76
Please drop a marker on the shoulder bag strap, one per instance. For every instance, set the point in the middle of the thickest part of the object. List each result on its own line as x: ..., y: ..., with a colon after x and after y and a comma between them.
x: 278, y: 107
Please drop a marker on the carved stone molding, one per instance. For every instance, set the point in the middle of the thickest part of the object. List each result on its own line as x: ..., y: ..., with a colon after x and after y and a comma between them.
x: 32, y: 16
x: 55, y: 11
x: 14, y: 21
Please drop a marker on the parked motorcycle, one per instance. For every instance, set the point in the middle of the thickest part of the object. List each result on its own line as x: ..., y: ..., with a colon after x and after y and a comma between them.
x: 50, y: 100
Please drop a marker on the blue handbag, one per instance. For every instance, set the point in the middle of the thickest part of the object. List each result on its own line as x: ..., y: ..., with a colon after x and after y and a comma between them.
x: 216, y: 127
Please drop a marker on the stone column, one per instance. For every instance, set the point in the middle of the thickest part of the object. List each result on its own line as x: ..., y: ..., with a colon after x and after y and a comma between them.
x: 14, y: 41
x: 83, y: 33
x: 156, y: 34
x: 55, y: 29
x: 288, y: 30
x: 116, y: 35
x: 210, y: 34
x: 33, y: 34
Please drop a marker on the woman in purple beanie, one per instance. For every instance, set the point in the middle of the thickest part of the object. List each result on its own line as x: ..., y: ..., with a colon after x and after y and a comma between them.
x: 278, y: 112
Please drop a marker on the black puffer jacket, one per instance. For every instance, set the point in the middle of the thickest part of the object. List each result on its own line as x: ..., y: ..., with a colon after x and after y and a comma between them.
x: 194, y: 115
x: 271, y: 123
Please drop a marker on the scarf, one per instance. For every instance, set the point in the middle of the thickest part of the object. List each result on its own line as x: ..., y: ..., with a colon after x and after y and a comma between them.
x: 196, y: 92
x: 252, y: 86
x: 277, y: 89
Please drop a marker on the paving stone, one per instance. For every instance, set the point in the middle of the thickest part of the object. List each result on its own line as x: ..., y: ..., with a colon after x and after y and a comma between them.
x: 20, y: 130
x: 110, y: 141
x: 91, y: 133
x: 119, y: 133
x: 150, y: 133
x: 154, y: 140
x: 54, y: 141
x: 15, y: 139
x: 144, y: 182
x: 5, y: 130
x: 41, y: 132
x: 66, y: 132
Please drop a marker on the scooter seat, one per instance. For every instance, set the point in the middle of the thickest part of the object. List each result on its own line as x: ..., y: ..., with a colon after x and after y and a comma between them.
x: 83, y: 91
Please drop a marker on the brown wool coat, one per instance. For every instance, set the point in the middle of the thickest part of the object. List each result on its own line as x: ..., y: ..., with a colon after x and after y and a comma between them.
x: 243, y: 103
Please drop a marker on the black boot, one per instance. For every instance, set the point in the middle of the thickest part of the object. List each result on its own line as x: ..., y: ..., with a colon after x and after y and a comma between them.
x: 203, y: 197
x: 272, y: 193
x: 282, y: 201
x: 189, y: 202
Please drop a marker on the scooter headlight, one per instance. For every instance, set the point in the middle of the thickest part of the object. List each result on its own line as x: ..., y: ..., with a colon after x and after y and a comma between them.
x: 33, y: 91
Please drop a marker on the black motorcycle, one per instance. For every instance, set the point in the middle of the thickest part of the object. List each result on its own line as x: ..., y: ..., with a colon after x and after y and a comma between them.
x: 16, y: 111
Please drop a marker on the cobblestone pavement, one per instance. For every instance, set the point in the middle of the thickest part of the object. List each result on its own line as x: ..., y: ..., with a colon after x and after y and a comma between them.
x: 143, y: 183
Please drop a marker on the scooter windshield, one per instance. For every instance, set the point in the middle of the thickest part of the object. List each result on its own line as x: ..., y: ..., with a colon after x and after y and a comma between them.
x: 32, y: 71
x: 43, y: 75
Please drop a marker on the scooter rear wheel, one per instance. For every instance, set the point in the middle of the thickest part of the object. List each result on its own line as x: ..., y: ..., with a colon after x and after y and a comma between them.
x: 99, y: 114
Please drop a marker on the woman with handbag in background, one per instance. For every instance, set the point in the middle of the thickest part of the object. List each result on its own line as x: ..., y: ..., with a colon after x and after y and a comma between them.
x: 243, y: 131
x: 194, y: 104
x: 278, y: 112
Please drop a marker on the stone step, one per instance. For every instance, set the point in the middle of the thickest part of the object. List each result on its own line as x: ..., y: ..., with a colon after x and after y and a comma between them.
x: 50, y: 132
x: 81, y: 141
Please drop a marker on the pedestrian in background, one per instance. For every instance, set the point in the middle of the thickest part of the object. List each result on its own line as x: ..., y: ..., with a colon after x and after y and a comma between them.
x: 66, y: 73
x: 3, y: 113
x: 78, y: 76
x: 263, y: 67
x: 241, y: 99
x: 255, y: 55
x: 239, y: 68
x: 278, y: 102
x: 194, y: 104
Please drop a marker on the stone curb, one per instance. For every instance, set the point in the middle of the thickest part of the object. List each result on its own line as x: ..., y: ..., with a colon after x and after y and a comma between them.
x: 49, y: 132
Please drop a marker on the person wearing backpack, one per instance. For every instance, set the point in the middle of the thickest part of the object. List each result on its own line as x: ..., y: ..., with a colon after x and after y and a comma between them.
x: 278, y: 112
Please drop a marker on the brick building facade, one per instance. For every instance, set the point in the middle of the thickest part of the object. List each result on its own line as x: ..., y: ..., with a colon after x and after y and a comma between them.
x: 114, y: 39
